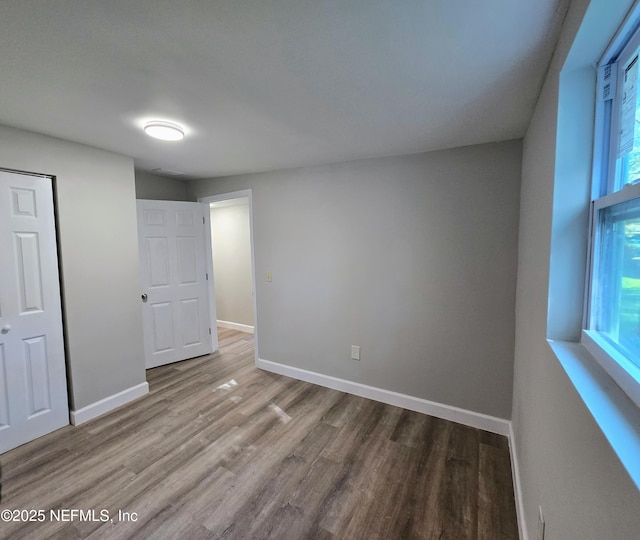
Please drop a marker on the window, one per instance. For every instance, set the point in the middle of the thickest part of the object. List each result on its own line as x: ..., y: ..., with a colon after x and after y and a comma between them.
x: 612, y: 322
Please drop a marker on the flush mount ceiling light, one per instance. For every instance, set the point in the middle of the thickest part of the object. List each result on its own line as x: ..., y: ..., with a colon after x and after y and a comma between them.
x: 165, y: 131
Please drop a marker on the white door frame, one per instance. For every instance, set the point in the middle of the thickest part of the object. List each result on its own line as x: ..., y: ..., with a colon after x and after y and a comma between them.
x: 245, y: 193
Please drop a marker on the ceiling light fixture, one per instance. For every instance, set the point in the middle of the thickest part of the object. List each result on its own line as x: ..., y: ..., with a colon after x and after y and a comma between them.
x: 165, y: 131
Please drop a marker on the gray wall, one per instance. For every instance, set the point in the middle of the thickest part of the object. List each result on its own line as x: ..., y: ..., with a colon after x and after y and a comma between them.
x: 565, y: 463
x: 413, y: 258
x: 231, y: 242
x: 99, y: 259
x: 159, y: 188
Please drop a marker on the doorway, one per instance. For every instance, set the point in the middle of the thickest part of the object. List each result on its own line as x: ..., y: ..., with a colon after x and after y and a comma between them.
x: 232, y: 252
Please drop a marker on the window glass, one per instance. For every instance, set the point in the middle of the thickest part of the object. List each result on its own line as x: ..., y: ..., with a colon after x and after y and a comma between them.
x: 618, y: 286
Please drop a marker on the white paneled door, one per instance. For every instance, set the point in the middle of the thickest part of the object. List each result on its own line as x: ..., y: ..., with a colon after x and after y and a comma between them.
x: 33, y: 387
x: 174, y: 278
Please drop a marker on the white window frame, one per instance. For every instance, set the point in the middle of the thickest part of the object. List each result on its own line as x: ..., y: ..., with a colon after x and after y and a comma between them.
x: 607, y: 125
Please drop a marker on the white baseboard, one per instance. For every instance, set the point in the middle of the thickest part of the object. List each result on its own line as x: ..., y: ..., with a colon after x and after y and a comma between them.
x: 108, y: 404
x: 236, y: 326
x: 439, y: 410
x: 517, y: 486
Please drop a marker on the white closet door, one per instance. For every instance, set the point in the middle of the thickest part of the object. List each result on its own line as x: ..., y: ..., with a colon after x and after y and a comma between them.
x: 33, y: 388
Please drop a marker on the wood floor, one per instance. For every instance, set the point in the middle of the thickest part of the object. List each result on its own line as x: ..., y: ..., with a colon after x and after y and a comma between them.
x: 220, y: 449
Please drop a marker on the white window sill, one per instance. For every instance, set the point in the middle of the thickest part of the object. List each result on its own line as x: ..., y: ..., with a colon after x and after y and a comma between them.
x: 615, y: 413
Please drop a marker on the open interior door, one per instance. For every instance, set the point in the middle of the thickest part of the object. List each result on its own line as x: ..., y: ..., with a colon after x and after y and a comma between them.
x: 174, y: 276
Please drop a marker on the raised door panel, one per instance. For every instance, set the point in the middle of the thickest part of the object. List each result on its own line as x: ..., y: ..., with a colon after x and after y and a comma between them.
x: 158, y: 253
x: 187, y: 260
x: 190, y: 319
x: 154, y: 217
x: 24, y: 202
x: 185, y: 219
x: 163, y: 327
x: 29, y: 272
x: 37, y: 383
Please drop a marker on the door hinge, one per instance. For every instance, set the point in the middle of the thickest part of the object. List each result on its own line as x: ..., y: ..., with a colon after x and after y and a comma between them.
x: 209, y: 331
x: 207, y: 276
x: 203, y: 222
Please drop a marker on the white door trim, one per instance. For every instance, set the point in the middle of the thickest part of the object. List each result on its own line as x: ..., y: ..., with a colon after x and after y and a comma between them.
x: 244, y: 193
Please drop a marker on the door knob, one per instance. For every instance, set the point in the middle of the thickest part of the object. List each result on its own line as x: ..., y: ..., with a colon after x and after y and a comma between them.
x: 6, y: 328
x: 144, y: 297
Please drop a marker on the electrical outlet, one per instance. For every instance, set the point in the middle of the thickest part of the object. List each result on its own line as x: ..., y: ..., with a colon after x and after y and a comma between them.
x: 268, y: 277
x: 355, y: 352
x: 540, y: 524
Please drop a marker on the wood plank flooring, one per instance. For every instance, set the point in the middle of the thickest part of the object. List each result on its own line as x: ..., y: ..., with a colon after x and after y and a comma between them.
x: 220, y: 449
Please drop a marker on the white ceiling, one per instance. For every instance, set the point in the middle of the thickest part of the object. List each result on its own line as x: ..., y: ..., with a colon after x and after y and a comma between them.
x: 271, y: 84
